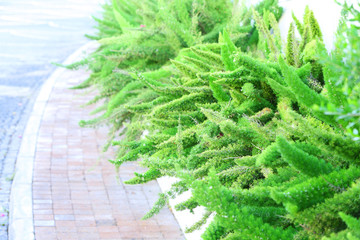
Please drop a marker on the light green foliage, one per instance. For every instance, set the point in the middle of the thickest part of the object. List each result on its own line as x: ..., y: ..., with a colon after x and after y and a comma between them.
x: 121, y: 96
x: 298, y: 24
x: 227, y: 49
x: 149, y: 175
x: 353, y: 233
x: 306, y: 49
x: 176, y: 189
x: 270, y: 44
x: 269, y: 157
x: 341, y: 74
x: 304, y: 94
x: 248, y: 132
x: 214, y: 231
x: 237, y: 97
x: 323, y: 219
x: 187, y: 70
x: 141, y: 37
x: 315, y: 28
x: 302, y: 161
x: 311, y: 51
x: 315, y: 190
x: 292, y: 48
x: 218, y: 92
x: 119, y: 15
x: 258, y: 68
x: 244, y: 219
x: 208, y: 56
x: 199, y: 223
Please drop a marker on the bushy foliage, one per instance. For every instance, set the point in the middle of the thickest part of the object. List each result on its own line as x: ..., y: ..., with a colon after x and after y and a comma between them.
x: 341, y: 72
x: 242, y: 126
x: 141, y: 37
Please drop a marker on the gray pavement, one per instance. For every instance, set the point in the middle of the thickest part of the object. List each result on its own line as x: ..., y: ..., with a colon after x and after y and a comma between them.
x: 33, y: 33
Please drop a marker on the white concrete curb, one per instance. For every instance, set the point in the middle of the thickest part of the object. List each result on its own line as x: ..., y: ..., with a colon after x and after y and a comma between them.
x: 21, y: 223
x: 184, y: 218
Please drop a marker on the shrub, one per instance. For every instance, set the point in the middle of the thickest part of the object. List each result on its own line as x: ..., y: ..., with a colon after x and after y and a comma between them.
x: 246, y: 127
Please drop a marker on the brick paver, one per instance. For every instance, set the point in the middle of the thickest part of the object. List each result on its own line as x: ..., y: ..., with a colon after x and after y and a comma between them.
x: 77, y: 193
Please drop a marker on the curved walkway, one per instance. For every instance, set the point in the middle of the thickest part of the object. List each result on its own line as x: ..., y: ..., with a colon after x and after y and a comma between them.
x: 33, y: 33
x: 76, y: 193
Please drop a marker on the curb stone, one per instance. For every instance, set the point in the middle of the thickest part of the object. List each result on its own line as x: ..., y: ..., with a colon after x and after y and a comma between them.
x: 21, y: 223
x: 184, y: 218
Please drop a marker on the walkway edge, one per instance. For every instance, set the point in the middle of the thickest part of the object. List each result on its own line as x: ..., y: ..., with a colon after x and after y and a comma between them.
x: 184, y: 218
x: 21, y: 223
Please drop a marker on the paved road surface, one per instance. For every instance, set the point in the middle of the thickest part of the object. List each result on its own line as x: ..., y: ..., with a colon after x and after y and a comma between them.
x: 33, y: 33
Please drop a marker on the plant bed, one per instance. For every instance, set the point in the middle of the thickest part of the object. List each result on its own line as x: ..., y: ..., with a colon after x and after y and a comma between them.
x: 264, y: 134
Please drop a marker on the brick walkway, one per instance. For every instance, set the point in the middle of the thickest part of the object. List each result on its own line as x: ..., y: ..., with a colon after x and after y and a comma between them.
x: 76, y: 191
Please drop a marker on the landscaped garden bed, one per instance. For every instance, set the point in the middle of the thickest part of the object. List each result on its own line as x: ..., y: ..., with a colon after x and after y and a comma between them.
x: 265, y: 134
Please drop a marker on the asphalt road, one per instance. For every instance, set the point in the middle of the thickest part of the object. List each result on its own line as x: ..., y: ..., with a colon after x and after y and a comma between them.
x: 33, y: 34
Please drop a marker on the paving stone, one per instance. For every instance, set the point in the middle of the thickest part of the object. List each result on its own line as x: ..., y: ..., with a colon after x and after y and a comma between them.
x: 44, y: 223
x: 110, y: 222
x: 64, y: 217
x: 89, y: 197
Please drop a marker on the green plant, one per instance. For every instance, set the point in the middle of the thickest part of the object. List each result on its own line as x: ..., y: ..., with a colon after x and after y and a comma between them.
x: 243, y: 124
x: 247, y: 141
x: 141, y: 37
x: 342, y: 75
